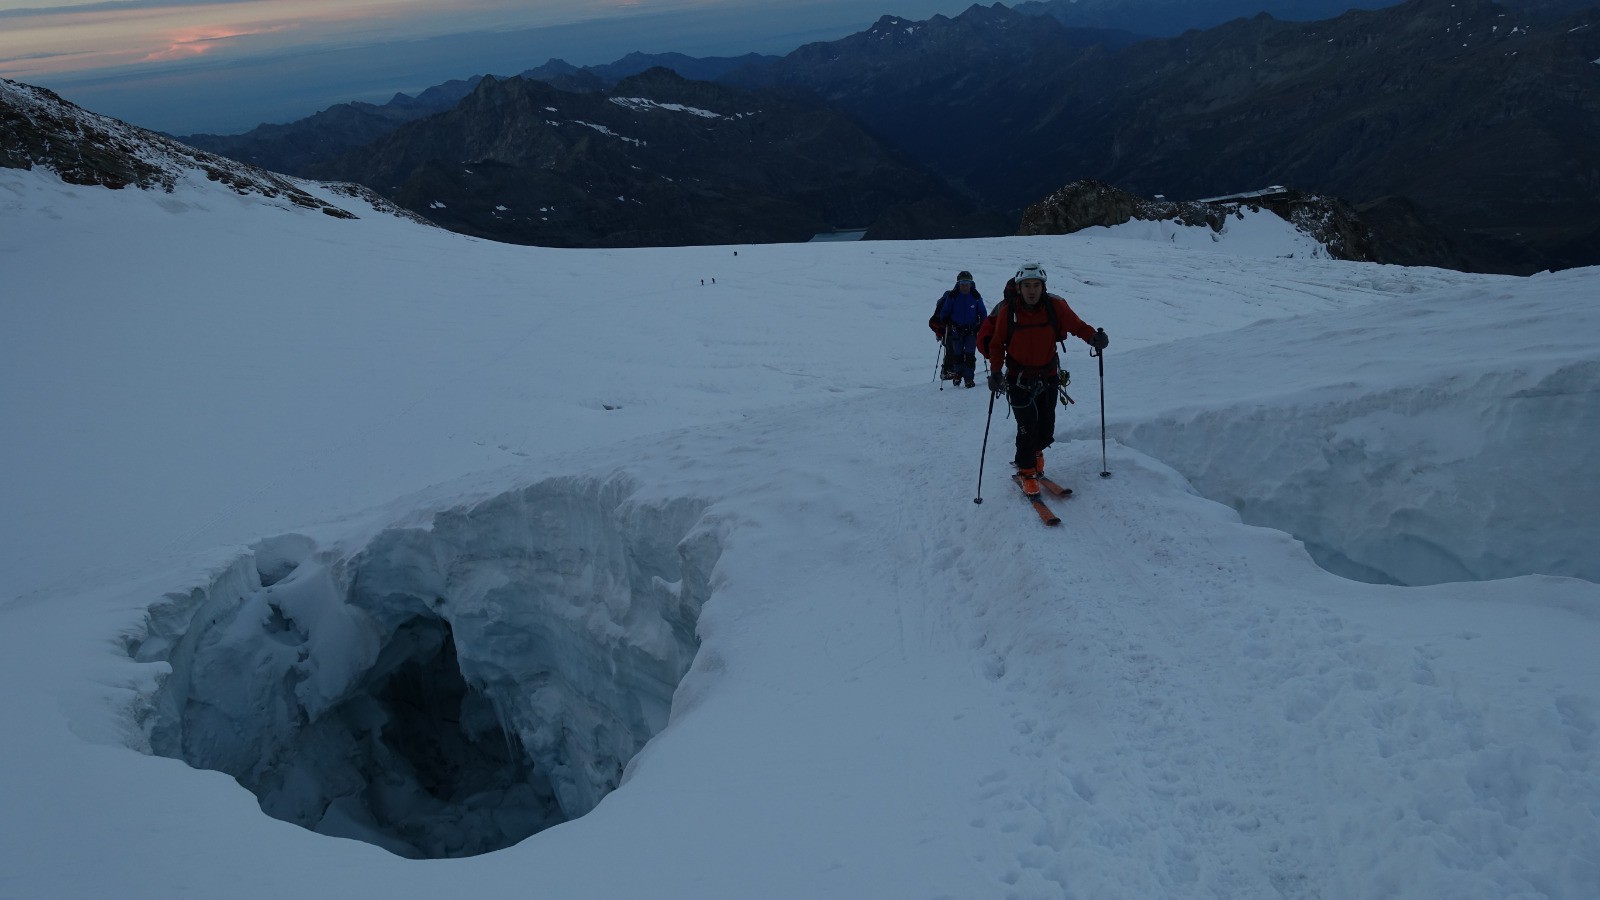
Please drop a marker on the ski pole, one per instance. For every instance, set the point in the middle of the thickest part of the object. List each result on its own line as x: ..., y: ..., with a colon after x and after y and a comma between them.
x: 939, y: 348
x: 1100, y: 354
x: 985, y: 452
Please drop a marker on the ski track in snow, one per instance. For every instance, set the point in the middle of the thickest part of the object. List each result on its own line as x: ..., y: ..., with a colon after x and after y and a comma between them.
x: 1168, y: 710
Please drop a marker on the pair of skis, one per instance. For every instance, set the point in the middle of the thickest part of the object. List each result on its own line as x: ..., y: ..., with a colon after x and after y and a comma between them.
x: 1046, y: 515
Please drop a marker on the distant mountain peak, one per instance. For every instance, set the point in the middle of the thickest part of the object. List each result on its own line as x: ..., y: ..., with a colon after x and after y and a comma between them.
x: 653, y: 76
x: 977, y: 12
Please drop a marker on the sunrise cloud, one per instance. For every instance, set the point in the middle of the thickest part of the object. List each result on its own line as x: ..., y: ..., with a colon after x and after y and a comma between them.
x: 75, y: 37
x: 196, y: 41
x: 224, y: 65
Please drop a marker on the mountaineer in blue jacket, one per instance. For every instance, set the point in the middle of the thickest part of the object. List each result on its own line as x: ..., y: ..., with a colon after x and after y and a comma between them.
x: 955, y: 322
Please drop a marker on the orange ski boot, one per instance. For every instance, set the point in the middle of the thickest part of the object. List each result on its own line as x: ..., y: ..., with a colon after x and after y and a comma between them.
x: 1029, y: 479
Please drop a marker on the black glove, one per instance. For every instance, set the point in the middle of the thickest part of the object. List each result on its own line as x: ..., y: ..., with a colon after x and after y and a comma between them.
x: 1100, y: 339
x: 996, y: 383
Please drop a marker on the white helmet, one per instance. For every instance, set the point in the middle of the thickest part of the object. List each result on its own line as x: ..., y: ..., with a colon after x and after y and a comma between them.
x: 1031, y: 271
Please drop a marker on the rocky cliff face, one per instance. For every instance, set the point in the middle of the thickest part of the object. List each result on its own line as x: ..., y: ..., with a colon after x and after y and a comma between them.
x: 1084, y: 204
x: 1087, y: 204
x: 38, y: 128
x: 657, y: 161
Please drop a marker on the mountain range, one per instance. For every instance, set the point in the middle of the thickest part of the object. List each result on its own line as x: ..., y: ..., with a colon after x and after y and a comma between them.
x: 291, y: 147
x: 658, y: 160
x: 1478, y: 121
x: 1487, y: 120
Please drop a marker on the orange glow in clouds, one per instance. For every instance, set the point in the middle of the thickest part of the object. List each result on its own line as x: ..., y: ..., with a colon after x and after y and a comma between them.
x: 71, y: 38
x: 191, y: 42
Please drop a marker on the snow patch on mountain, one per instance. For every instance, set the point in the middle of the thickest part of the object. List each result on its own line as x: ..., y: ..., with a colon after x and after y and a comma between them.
x: 646, y: 104
x: 637, y: 142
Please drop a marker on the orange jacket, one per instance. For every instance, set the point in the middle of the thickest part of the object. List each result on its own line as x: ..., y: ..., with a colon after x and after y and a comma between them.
x: 1033, y: 347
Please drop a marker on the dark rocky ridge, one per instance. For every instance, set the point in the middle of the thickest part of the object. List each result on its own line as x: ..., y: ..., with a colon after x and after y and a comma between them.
x: 657, y: 161
x: 294, y: 147
x: 1483, y: 118
x: 1170, y: 18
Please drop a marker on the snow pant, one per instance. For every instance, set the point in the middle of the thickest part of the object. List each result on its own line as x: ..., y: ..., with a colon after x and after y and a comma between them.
x: 960, y: 353
x: 1033, y: 405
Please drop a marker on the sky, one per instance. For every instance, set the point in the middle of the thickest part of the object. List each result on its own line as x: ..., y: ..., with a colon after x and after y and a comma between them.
x: 233, y: 492
x: 224, y: 67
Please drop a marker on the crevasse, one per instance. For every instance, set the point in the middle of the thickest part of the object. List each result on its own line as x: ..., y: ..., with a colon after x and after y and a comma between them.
x: 441, y: 691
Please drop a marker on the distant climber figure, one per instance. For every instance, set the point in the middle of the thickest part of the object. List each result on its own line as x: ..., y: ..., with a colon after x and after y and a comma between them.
x: 955, y: 322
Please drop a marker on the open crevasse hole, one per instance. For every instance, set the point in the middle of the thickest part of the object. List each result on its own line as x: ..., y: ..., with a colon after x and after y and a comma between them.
x: 446, y: 691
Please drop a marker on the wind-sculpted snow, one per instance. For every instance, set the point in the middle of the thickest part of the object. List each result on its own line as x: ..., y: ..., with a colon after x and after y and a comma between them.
x: 1443, y: 455
x: 445, y: 691
x: 1448, y: 480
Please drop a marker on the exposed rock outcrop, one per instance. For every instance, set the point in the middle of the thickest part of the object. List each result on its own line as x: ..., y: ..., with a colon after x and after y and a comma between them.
x: 38, y: 128
x: 1394, y: 235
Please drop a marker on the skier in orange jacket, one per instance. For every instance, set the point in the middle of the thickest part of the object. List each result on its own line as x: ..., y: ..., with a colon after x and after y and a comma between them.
x: 1019, y: 339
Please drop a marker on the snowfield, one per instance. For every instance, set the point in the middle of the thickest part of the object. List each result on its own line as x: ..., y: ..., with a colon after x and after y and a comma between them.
x: 433, y: 543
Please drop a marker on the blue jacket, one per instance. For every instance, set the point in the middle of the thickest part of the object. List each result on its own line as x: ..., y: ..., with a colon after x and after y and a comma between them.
x: 964, y: 311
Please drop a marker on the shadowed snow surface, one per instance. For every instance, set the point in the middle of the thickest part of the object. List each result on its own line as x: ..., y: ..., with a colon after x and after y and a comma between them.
x: 702, y: 562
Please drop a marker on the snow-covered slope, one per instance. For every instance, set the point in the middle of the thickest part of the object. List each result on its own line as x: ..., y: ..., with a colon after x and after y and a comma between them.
x: 261, y: 468
x: 40, y: 130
